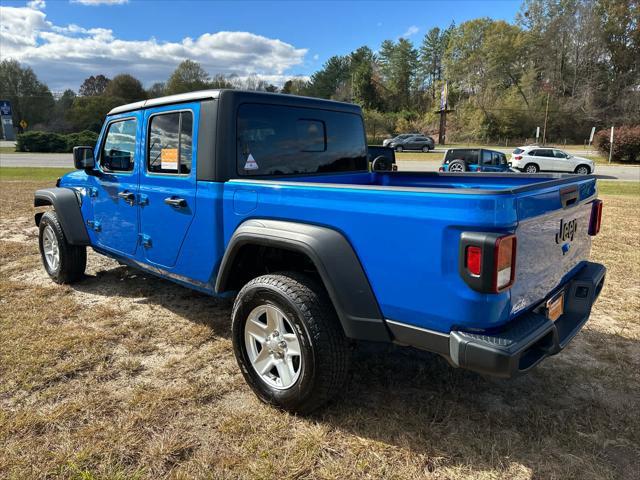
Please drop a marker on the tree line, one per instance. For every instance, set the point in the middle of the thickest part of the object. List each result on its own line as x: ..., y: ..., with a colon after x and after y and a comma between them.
x: 573, y: 61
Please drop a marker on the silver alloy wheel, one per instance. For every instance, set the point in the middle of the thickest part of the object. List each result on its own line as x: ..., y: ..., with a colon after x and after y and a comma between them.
x: 273, y: 347
x: 51, y: 248
x: 456, y: 167
x: 583, y: 171
x: 532, y: 169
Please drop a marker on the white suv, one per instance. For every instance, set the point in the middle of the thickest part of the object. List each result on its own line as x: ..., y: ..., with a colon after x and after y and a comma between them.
x: 533, y: 159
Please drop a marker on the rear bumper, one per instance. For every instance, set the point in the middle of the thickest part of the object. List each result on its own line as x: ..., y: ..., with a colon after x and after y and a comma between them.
x: 524, y: 342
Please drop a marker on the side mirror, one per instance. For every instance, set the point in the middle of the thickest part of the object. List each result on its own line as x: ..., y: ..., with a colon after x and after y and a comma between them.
x: 381, y: 164
x: 83, y: 158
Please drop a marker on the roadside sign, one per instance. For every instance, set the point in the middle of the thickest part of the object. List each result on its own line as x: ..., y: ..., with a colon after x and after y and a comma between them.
x: 593, y: 130
x: 23, y: 124
x: 6, y: 121
x: 5, y: 108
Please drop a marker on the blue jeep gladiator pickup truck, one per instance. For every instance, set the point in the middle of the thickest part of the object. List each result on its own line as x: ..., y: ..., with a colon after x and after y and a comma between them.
x: 270, y: 197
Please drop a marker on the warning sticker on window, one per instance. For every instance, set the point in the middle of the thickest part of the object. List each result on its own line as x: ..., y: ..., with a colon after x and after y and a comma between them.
x: 251, y: 163
x: 169, y: 159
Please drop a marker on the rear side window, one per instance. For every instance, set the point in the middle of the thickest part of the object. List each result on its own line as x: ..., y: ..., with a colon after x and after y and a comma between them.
x: 518, y: 150
x: 544, y: 153
x: 470, y: 156
x: 279, y: 140
x: 170, y: 143
x: 119, y: 147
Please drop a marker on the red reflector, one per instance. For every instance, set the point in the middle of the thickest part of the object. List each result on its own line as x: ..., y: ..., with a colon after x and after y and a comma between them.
x: 473, y: 260
x: 505, y: 263
x: 441, y: 169
x: 518, y: 157
x: 596, y: 217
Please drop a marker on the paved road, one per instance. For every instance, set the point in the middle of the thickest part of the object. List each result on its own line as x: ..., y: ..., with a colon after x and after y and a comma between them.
x: 631, y: 173
x: 65, y: 160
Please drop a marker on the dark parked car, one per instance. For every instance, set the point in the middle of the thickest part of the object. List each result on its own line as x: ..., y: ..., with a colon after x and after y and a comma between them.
x: 474, y: 160
x: 413, y: 142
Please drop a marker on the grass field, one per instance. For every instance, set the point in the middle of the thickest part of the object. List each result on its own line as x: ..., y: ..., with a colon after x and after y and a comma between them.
x: 127, y: 376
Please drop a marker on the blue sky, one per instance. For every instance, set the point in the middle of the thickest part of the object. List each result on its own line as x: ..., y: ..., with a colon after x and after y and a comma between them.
x: 64, y: 41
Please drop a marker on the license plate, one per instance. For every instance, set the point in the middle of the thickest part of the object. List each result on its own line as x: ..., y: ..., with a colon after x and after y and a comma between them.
x: 555, y: 306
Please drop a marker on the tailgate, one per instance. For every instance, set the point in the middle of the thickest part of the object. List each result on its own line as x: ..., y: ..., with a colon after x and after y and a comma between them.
x: 553, y: 240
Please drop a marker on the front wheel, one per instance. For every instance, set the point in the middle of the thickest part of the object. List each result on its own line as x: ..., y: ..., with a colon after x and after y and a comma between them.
x: 582, y: 170
x: 65, y: 263
x: 425, y: 149
x: 399, y: 148
x: 288, y: 341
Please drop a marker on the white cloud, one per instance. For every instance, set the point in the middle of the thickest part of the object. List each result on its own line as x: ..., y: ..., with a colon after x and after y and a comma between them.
x: 412, y: 30
x: 63, y: 55
x: 100, y: 2
x: 316, y: 57
x: 37, y: 4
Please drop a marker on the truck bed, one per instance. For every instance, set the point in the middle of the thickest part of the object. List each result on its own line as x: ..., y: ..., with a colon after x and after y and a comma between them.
x: 459, y: 183
x: 406, y: 227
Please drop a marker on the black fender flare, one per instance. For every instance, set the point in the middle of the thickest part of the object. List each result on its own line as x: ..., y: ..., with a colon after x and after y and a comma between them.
x: 67, y: 206
x: 336, y: 262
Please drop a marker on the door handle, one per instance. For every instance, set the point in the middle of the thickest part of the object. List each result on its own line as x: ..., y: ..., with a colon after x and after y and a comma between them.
x: 176, y: 202
x: 128, y: 197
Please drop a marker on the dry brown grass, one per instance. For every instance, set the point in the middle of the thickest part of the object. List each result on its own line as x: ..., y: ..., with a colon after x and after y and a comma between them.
x: 127, y: 376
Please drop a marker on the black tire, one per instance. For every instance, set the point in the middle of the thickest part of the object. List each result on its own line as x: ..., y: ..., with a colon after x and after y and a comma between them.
x: 582, y: 170
x: 399, y: 148
x: 324, y: 349
x: 531, y: 168
x: 72, y: 259
x: 425, y: 149
x: 457, y: 166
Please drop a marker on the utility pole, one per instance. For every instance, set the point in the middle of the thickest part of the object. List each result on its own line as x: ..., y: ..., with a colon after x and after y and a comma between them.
x: 442, y: 134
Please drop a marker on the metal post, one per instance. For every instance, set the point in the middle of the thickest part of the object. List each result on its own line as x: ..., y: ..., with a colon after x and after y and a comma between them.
x: 611, y: 144
x: 546, y: 114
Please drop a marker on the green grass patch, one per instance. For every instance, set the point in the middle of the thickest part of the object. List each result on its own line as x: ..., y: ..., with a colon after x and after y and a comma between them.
x: 619, y: 188
x: 35, y: 173
x: 7, y: 149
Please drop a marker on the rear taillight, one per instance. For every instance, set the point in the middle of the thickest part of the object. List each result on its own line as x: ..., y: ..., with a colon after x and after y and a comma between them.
x: 488, y: 261
x: 505, y: 263
x: 518, y: 157
x: 473, y: 260
x: 596, y: 217
x: 441, y: 169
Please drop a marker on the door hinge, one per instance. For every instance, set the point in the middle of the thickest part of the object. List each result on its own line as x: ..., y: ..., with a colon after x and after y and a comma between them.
x: 94, y: 225
x: 145, y: 240
x: 143, y: 200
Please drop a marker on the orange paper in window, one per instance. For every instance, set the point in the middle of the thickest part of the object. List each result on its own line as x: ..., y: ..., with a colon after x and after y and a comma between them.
x: 169, y: 159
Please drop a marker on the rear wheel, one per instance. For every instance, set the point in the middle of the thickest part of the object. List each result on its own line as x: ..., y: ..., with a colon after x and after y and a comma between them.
x: 457, y: 166
x: 65, y: 263
x: 288, y: 341
x: 583, y: 170
x: 399, y: 148
x: 425, y: 148
x: 531, y: 168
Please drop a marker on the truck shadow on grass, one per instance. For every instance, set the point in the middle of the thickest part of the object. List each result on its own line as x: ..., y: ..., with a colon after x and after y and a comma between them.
x: 573, y: 416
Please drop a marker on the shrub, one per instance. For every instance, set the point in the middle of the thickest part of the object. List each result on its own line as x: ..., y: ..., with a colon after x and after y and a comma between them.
x: 50, y: 142
x: 626, y: 143
x: 84, y: 138
x: 41, y: 142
